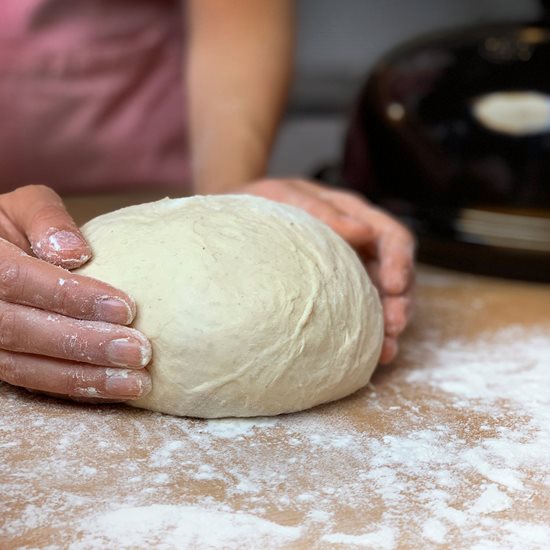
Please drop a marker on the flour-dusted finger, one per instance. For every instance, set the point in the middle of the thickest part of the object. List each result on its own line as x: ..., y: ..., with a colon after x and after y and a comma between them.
x: 31, y: 330
x: 53, y: 235
x: 67, y: 379
x: 29, y: 281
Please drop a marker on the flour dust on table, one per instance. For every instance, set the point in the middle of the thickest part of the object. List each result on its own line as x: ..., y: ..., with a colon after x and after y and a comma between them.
x: 388, y: 470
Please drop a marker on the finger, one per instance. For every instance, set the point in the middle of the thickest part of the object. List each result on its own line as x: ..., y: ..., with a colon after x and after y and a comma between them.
x: 73, y: 380
x: 355, y: 232
x: 33, y: 282
x: 373, y: 269
x: 306, y: 195
x: 389, y: 351
x: 397, y: 312
x: 397, y: 309
x: 396, y: 253
x: 30, y: 330
x: 52, y: 233
x: 395, y: 244
x: 391, y: 261
x: 79, y: 399
x: 13, y: 234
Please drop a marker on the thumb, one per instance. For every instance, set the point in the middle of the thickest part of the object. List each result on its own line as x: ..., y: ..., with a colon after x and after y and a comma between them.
x: 53, y: 235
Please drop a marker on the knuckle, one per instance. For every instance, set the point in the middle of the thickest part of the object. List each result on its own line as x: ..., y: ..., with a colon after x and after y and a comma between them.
x: 29, y: 191
x: 405, y: 231
x: 40, y: 188
x: 8, y: 326
x: 263, y: 186
x: 355, y: 197
x: 61, y: 297
x: 37, y: 188
x: 68, y: 384
x: 313, y: 205
x: 80, y: 382
x: 10, y: 278
x: 66, y: 300
x: 325, y: 214
x: 85, y: 308
x: 8, y: 369
x: 68, y: 296
x: 47, y: 212
x: 75, y: 347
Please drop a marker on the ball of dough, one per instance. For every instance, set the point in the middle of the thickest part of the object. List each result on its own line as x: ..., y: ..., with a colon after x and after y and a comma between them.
x: 252, y: 307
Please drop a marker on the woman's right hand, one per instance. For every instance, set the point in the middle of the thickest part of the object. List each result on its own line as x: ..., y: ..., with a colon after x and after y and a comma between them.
x: 62, y: 333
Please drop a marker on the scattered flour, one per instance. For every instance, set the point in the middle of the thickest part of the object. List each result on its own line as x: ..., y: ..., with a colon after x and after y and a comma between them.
x: 384, y: 539
x: 451, y: 449
x: 168, y: 526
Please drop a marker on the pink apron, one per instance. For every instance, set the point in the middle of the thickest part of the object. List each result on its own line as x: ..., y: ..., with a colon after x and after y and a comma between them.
x: 91, y: 95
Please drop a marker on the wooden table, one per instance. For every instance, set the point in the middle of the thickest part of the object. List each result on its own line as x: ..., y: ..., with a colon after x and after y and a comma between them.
x: 447, y: 448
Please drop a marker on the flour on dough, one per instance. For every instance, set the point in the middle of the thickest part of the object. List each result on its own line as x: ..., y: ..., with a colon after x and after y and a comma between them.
x: 252, y: 307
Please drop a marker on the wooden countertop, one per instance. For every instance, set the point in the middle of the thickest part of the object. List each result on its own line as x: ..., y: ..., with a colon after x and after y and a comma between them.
x: 449, y: 447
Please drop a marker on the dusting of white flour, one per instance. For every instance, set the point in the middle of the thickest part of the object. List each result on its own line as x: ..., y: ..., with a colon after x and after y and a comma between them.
x: 451, y: 448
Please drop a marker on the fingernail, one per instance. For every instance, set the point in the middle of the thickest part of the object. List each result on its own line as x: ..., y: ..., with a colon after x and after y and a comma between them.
x: 128, y: 384
x: 66, y: 241
x: 114, y: 310
x: 63, y: 248
x: 128, y: 352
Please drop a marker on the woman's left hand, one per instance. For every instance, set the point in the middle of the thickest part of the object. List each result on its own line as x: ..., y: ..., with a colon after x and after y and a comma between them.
x: 385, y: 245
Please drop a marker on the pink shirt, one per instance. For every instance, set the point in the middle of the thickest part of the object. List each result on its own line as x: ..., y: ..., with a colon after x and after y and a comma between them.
x: 91, y: 94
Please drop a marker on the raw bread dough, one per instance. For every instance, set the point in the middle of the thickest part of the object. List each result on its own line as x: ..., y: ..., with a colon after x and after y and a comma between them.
x: 252, y: 307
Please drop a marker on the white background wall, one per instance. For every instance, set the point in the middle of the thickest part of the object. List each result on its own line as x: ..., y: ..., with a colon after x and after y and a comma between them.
x: 338, y: 40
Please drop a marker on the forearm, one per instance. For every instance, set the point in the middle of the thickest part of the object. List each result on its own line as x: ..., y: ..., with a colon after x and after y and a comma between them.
x: 238, y: 71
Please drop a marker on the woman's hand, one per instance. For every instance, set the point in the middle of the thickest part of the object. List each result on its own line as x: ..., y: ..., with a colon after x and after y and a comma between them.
x: 61, y: 333
x: 385, y: 246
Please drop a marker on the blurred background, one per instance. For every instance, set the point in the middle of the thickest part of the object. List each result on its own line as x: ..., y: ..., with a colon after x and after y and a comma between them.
x: 450, y: 132
x: 339, y: 42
